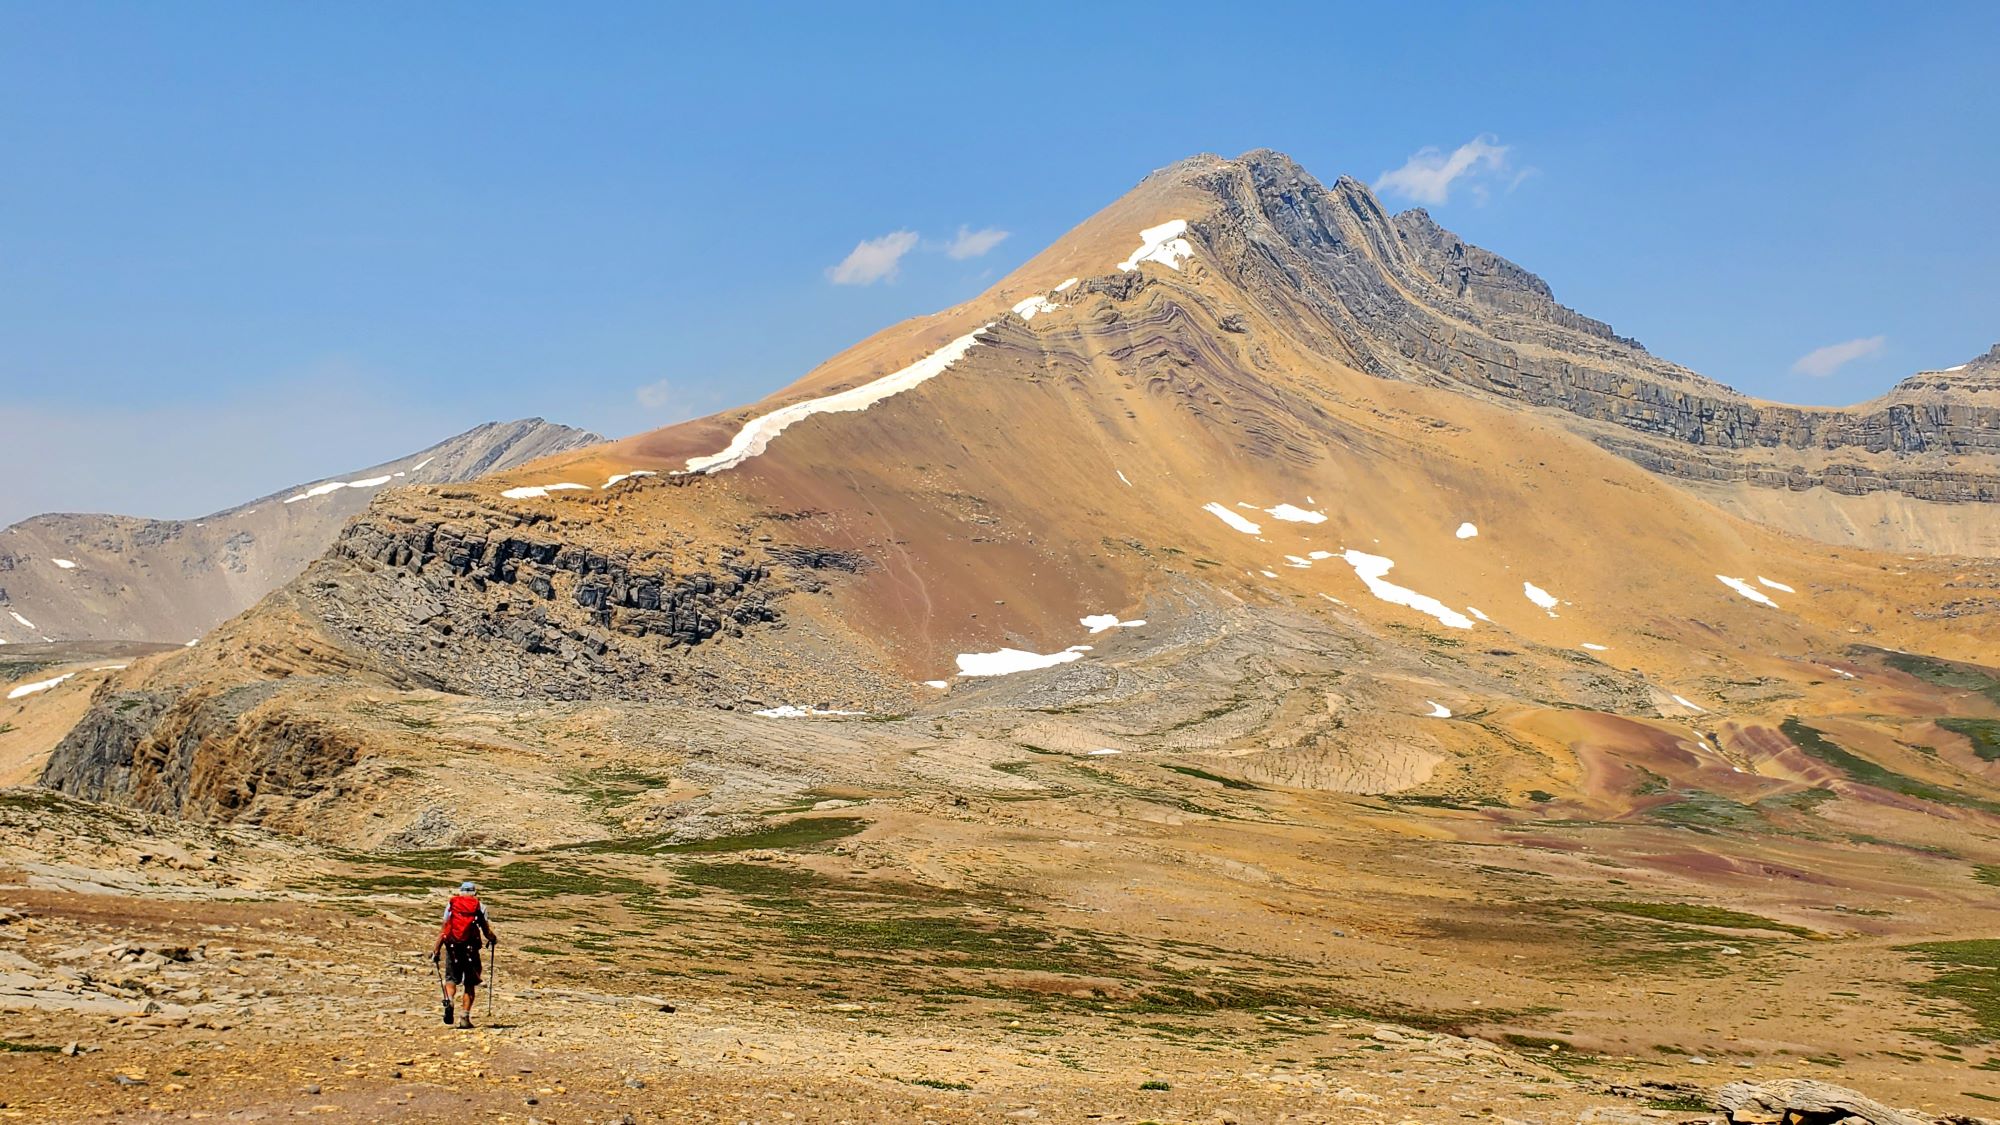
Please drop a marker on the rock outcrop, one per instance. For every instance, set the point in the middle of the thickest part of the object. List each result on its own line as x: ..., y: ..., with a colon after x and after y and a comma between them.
x: 1804, y: 1101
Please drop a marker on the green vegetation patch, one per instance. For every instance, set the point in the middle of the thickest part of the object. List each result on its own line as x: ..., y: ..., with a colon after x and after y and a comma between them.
x: 799, y: 834
x: 1984, y: 734
x: 1945, y: 673
x: 1818, y: 746
x: 1225, y: 782
x: 11, y: 1046
x: 1968, y: 974
x: 1694, y: 914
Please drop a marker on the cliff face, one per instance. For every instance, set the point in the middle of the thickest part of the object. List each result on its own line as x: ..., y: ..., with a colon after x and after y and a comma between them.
x: 1401, y: 297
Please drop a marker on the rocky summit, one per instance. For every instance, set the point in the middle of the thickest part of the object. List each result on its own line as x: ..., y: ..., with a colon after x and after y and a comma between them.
x: 1263, y: 659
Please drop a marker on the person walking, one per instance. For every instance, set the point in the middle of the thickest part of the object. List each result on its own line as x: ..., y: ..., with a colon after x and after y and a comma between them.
x: 465, y: 930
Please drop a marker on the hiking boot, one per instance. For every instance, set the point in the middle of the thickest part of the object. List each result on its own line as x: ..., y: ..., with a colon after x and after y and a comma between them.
x: 447, y: 1011
x: 465, y: 1018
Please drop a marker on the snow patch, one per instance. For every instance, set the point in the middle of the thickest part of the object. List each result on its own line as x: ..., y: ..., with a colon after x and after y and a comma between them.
x: 1121, y: 476
x: 1540, y: 597
x: 788, y: 711
x: 537, y: 491
x: 756, y: 434
x: 1316, y: 556
x: 336, y: 485
x: 1593, y: 648
x: 1007, y: 661
x: 1295, y: 515
x: 1268, y: 573
x: 1691, y: 707
x: 1027, y: 309
x: 1746, y: 589
x: 1776, y: 585
x: 25, y: 623
x: 193, y: 641
x: 64, y: 563
x: 1099, y: 622
x: 1232, y: 519
x: 1162, y: 244
x: 38, y: 685
x: 1371, y: 568
x: 1438, y: 710
x: 421, y: 464
x: 1068, y: 285
x: 938, y: 684
x: 1103, y: 752
x: 616, y: 477
x: 1298, y: 563
x: 1479, y: 615
x: 1466, y: 531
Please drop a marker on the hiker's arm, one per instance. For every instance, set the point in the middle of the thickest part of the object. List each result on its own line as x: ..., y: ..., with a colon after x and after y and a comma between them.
x: 491, y: 939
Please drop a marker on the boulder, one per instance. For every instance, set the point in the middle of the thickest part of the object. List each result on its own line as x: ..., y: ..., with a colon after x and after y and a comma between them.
x: 1804, y: 1101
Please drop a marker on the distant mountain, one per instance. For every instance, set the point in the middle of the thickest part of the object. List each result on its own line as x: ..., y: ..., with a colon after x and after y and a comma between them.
x: 106, y: 577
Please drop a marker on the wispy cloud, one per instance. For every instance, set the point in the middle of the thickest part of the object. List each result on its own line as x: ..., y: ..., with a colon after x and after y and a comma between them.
x: 1430, y: 173
x: 874, y: 259
x: 970, y: 243
x: 1821, y: 362
x: 665, y: 397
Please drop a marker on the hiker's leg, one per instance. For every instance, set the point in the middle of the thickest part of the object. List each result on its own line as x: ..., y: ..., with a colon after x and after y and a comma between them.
x: 469, y: 990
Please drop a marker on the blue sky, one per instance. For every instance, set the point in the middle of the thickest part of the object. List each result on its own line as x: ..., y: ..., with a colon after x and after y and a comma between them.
x: 243, y: 245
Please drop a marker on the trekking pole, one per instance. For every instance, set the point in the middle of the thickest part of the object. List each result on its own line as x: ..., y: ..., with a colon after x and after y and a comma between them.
x: 493, y: 977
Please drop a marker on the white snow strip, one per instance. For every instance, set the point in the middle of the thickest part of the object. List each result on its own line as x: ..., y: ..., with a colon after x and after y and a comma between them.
x: 1594, y: 648
x: 1318, y: 555
x: 1841, y: 672
x: 1746, y: 589
x: 1104, y: 752
x: 1691, y: 707
x: 1162, y: 244
x: 1010, y: 660
x: 191, y: 643
x: 38, y: 685
x: 1295, y: 515
x: 422, y: 463
x: 1479, y: 615
x: 1298, y: 563
x: 1540, y: 597
x: 1466, y: 531
x: 1371, y: 568
x: 64, y: 563
x: 337, y: 485
x: 1776, y: 585
x: 25, y: 623
x: 1027, y: 309
x: 537, y: 491
x: 1232, y: 519
x: 616, y: 477
x: 110, y: 667
x: 1068, y: 285
x: 938, y: 684
x: 1268, y: 573
x: 790, y: 712
x: 757, y: 433
x: 1121, y: 476
x: 1439, y: 710
x: 1099, y: 622
x: 1334, y: 600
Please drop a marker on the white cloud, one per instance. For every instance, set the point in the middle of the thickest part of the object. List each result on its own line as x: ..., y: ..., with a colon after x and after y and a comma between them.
x: 664, y: 397
x: 1821, y: 362
x: 1428, y: 175
x: 973, y: 243
x: 874, y: 259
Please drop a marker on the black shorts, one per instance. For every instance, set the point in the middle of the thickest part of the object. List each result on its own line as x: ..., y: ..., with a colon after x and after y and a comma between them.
x: 461, y: 963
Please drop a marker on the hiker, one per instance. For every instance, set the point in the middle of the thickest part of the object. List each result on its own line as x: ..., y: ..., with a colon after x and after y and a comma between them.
x: 458, y: 944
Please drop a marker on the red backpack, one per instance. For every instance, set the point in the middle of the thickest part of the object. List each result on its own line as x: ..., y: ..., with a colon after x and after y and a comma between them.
x: 463, y: 923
